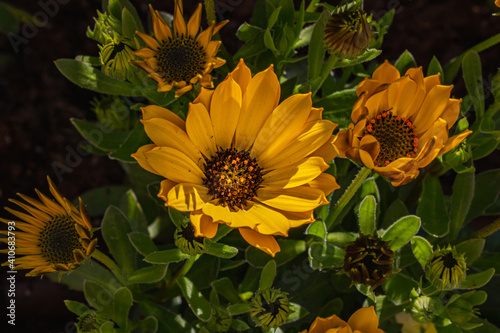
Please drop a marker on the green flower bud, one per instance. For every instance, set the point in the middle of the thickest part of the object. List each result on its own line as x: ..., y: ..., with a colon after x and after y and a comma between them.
x: 424, y: 308
x: 270, y: 308
x: 347, y: 32
x: 112, y: 113
x: 106, y: 26
x: 220, y: 320
x: 368, y: 260
x: 90, y: 322
x: 445, y: 268
x: 115, y: 57
x: 186, y: 241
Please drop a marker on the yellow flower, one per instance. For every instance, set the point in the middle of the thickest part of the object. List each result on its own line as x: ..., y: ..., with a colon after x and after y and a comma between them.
x: 364, y: 320
x: 410, y: 325
x: 347, y: 32
x: 53, y: 236
x: 497, y: 3
x: 241, y: 159
x: 182, y: 57
x: 400, y: 124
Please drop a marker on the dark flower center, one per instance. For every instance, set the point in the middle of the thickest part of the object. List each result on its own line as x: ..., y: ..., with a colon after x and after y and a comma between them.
x: 449, y: 260
x: 395, y: 135
x: 368, y: 260
x: 58, y: 240
x: 180, y: 59
x: 233, y: 177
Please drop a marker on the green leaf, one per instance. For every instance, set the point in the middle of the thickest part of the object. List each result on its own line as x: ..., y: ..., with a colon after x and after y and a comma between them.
x: 122, y: 302
x: 267, y: 276
x: 237, y: 309
x: 133, y: 210
x: 405, y: 62
x: 9, y: 21
x: 239, y: 325
x: 324, y: 255
x: 334, y: 306
x: 269, y: 42
x: 98, y: 297
x: 226, y: 288
x: 142, y: 243
x: 463, y: 192
x: 204, y: 271
x: 150, y: 274
x: 486, y: 193
x: 396, y: 210
x: 168, y: 322
x: 341, y: 238
x: 103, y: 138
x: 473, y: 281
x: 338, y: 106
x: 488, y: 260
x: 368, y: 55
x: 197, y: 302
x: 432, y: 208
x: 435, y: 68
x: 317, y: 48
x: 91, y: 78
x: 273, y: 17
x: 147, y: 325
x: 473, y: 78
x: 165, y: 257
x: 398, y: 287
x: 472, y: 249
x: 402, y: 231
x: 135, y: 139
x: 76, y: 307
x: 298, y: 312
x: 318, y: 229
x: 422, y: 249
x: 128, y: 24
x: 176, y: 217
x: 97, y: 200
x: 91, y: 271
x: 367, y: 215
x: 219, y: 250
x: 115, y: 227
x: 289, y: 249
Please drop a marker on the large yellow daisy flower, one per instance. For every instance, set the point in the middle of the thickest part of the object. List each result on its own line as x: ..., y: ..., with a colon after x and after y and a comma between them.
x: 364, y: 320
x: 53, y: 236
x: 241, y: 159
x: 400, y: 124
x: 182, y: 57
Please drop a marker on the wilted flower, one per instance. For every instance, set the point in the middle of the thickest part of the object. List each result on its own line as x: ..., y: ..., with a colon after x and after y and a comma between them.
x: 53, y: 236
x: 241, y: 159
x: 368, y: 260
x: 347, y: 32
x: 400, y: 124
x: 364, y: 320
x: 269, y: 308
x: 180, y: 57
x: 445, y: 268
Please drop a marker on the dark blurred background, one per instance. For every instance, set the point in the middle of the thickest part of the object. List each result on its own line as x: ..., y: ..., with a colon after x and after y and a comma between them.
x: 36, y: 103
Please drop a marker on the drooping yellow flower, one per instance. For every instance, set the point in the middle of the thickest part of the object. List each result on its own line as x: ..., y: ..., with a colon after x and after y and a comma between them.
x: 400, y: 124
x: 180, y: 57
x: 241, y: 159
x: 52, y: 236
x: 364, y: 320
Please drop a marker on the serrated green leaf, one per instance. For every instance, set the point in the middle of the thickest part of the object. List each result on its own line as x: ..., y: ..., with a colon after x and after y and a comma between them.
x: 93, y: 79
x: 473, y: 281
x: 432, y: 208
x: 150, y: 274
x: 402, y: 231
x: 165, y: 257
x: 341, y: 238
x: 367, y: 215
x: 421, y: 249
x: 197, y: 302
x: 267, y: 276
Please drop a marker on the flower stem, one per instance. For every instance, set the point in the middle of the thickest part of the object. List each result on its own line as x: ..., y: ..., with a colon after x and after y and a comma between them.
x: 180, y: 273
x: 331, y: 219
x: 487, y: 230
x: 330, y: 65
x: 210, y: 11
x: 109, y: 263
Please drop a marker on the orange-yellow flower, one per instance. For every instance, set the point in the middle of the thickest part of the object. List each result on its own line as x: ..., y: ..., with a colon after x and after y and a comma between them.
x: 52, y: 235
x: 400, y: 124
x: 241, y: 159
x: 497, y: 3
x: 180, y: 57
x: 364, y: 320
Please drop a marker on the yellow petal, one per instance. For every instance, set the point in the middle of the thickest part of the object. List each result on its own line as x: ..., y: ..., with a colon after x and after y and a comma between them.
x: 242, y: 75
x: 432, y: 81
x: 322, y: 325
x: 283, y: 125
x: 454, y: 141
x: 194, y: 22
x: 165, y: 186
x: 179, y: 23
x: 203, y: 225
x: 260, y: 99
x: 225, y: 111
x: 401, y: 94
x: 154, y: 111
x: 141, y: 158
x: 312, y: 137
x: 326, y: 151
x: 325, y: 182
x: 296, y: 174
x: 145, y: 53
x: 205, y: 36
x: 150, y: 41
x: 297, y: 199
x: 266, y: 243
x: 451, y: 112
x: 200, y: 131
x: 166, y: 134
x: 433, y: 106
x: 160, y: 32
x: 386, y: 73
x: 174, y: 165
x: 188, y: 197
x: 204, y: 97
x: 364, y: 320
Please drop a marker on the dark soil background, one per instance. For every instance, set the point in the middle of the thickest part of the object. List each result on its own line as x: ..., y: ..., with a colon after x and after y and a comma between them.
x: 37, y: 103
